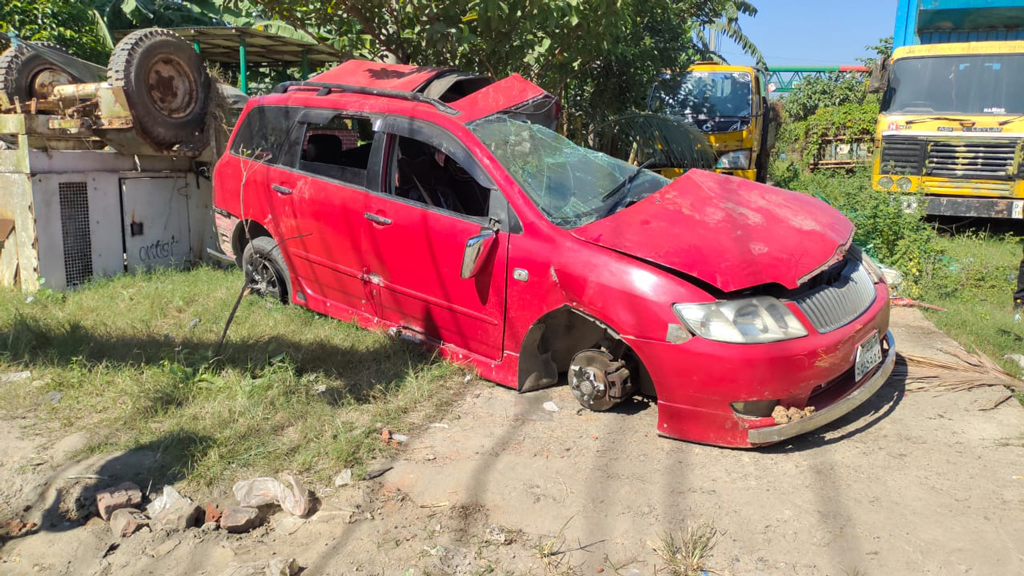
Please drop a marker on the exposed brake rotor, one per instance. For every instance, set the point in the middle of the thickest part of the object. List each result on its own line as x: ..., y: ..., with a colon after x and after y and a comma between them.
x: 597, y: 380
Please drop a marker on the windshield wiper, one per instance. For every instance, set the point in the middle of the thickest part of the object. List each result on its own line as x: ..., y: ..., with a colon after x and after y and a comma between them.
x: 933, y: 118
x: 1013, y: 119
x: 627, y: 181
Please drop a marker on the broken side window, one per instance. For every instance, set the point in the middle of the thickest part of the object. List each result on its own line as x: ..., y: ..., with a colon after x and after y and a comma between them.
x: 263, y: 133
x: 338, y: 149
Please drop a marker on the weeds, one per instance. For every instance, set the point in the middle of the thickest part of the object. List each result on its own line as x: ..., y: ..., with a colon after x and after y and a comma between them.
x: 686, y: 554
x: 554, y: 556
x: 291, y: 390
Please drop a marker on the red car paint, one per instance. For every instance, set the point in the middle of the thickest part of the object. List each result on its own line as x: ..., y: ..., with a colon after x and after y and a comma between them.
x: 702, y: 238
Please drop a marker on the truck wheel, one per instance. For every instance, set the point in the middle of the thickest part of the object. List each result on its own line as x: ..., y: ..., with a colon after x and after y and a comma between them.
x: 25, y: 74
x: 165, y: 83
x: 265, y: 270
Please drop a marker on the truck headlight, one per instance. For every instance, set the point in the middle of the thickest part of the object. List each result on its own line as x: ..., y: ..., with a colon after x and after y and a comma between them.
x: 735, y: 160
x: 744, y: 321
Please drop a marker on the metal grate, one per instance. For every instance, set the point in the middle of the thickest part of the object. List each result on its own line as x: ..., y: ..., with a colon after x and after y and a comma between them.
x: 902, y: 156
x: 74, y: 227
x: 987, y: 160
x: 840, y: 302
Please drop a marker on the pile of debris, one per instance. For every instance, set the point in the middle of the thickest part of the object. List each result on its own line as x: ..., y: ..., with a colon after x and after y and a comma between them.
x: 121, y: 506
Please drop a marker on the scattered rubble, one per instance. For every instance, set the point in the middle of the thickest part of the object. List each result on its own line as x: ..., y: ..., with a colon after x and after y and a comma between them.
x: 182, y: 515
x: 213, y: 512
x: 238, y: 519
x: 783, y: 415
x: 378, y: 471
x: 125, y: 495
x: 16, y: 527
x: 343, y: 479
x: 275, y: 567
x: 11, y: 377
x: 261, y: 491
x: 127, y: 521
x: 551, y: 406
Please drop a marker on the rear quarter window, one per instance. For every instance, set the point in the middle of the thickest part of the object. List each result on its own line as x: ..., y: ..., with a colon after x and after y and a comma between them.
x: 264, y: 132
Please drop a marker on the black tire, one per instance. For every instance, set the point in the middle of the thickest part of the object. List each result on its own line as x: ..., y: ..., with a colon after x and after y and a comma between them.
x: 165, y: 83
x: 265, y: 270
x: 20, y: 67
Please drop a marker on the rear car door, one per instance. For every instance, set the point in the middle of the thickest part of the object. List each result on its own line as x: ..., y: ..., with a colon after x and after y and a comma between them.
x: 321, y: 199
x: 436, y: 197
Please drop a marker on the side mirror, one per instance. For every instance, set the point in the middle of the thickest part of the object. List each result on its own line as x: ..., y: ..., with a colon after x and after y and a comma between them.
x: 477, y: 249
x: 879, y: 80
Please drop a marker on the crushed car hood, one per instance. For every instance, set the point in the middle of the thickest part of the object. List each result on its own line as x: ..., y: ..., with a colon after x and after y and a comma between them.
x: 729, y: 232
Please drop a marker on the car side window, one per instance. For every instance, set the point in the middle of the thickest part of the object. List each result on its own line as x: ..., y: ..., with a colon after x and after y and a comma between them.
x: 264, y: 132
x: 338, y: 149
x: 423, y: 173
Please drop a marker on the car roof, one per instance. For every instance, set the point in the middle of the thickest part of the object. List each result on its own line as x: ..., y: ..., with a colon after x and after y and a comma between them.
x: 373, y: 77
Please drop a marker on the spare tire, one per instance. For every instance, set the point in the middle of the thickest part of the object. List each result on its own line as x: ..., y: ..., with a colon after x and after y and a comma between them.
x: 26, y: 74
x: 165, y: 83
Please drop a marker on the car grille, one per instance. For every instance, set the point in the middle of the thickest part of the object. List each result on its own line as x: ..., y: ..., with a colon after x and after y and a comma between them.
x: 990, y: 160
x: 903, y: 156
x: 839, y: 302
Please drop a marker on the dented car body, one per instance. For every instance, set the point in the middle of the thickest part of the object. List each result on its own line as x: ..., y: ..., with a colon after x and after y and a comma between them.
x: 382, y: 195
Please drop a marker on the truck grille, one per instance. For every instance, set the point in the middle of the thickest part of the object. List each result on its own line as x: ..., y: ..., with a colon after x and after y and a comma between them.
x: 839, y: 302
x: 903, y: 156
x: 988, y: 160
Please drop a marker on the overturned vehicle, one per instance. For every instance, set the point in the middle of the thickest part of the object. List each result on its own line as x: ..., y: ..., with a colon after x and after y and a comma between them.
x: 446, y: 209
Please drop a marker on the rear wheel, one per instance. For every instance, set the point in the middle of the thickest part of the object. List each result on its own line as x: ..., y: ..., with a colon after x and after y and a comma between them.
x: 26, y: 74
x: 165, y: 83
x: 266, y: 273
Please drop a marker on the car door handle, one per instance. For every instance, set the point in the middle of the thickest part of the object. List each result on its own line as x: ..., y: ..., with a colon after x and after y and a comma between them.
x: 281, y: 189
x: 377, y: 219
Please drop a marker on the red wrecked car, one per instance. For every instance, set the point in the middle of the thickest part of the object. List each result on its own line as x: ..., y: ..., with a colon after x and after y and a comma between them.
x: 442, y: 206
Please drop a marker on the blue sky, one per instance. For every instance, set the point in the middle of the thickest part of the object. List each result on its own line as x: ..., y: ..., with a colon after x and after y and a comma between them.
x: 814, y: 32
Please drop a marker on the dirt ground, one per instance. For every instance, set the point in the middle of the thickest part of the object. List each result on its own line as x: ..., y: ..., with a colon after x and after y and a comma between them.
x: 910, y: 483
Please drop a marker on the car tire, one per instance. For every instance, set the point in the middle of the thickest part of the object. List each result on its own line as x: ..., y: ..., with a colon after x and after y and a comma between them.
x: 166, y: 85
x: 266, y: 273
x: 20, y: 67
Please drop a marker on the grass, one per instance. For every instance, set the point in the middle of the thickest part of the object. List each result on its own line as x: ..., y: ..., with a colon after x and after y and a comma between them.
x: 686, y: 553
x: 974, y: 279
x: 291, y: 390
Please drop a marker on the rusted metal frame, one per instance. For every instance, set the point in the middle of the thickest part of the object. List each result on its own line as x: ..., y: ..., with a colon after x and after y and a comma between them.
x: 326, y: 88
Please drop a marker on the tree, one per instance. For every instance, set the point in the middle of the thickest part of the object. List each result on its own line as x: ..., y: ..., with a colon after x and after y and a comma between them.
x: 599, y: 56
x: 71, y: 23
x: 729, y: 26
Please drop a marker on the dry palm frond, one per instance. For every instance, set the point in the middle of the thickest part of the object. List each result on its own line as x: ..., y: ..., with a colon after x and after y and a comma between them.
x: 967, y: 372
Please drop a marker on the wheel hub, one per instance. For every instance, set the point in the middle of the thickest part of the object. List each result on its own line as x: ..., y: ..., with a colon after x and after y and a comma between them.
x: 171, y: 87
x: 262, y: 279
x: 596, y: 380
x: 46, y: 80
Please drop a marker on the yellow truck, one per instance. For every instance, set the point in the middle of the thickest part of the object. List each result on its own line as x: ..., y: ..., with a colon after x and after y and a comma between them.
x: 729, y: 105
x: 951, y: 124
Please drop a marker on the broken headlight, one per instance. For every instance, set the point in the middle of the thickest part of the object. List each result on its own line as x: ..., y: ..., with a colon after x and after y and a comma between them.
x: 735, y: 160
x: 745, y: 321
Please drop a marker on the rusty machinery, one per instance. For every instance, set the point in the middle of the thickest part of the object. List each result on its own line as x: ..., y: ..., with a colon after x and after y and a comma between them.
x: 103, y: 170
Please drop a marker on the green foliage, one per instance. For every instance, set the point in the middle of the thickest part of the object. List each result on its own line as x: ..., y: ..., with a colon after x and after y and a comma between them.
x: 819, y: 110
x: 881, y: 50
x: 71, y: 23
x: 728, y: 25
x: 598, y: 56
x: 892, y: 235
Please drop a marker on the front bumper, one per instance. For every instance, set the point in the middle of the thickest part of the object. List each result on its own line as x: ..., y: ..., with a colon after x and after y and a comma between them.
x: 841, y: 407
x: 974, y: 207
x: 697, y: 381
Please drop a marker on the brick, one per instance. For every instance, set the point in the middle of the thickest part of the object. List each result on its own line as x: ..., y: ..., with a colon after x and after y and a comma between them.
x: 127, y: 521
x: 126, y: 495
x: 213, y: 512
x: 239, y: 519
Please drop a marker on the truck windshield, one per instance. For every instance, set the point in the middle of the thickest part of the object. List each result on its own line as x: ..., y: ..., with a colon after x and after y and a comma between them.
x: 990, y: 84
x: 700, y: 95
x: 567, y: 182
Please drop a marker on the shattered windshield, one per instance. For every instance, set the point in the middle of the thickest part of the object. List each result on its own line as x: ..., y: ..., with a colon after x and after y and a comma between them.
x: 706, y: 98
x: 567, y: 182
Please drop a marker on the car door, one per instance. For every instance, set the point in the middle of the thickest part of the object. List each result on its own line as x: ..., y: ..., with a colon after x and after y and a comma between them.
x: 415, y: 248
x: 319, y: 200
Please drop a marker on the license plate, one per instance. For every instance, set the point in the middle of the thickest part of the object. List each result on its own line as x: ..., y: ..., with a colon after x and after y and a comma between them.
x: 869, y: 355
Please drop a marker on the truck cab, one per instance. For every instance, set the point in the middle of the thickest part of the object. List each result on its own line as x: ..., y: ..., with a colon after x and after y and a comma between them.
x: 951, y: 124
x: 729, y: 104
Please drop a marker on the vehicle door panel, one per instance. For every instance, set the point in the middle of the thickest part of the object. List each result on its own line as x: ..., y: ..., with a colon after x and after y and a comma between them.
x: 415, y: 255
